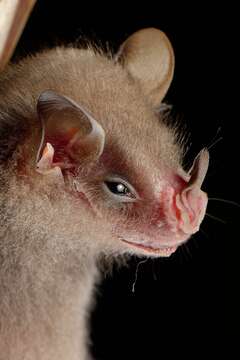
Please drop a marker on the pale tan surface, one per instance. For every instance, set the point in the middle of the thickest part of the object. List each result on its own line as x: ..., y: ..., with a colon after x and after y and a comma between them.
x: 139, y: 53
x: 51, y: 243
x: 13, y: 17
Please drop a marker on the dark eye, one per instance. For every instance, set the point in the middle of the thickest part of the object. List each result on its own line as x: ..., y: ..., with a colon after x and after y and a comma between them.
x: 120, y: 189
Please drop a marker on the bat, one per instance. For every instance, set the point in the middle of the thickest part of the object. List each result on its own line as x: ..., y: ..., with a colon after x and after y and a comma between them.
x: 89, y: 169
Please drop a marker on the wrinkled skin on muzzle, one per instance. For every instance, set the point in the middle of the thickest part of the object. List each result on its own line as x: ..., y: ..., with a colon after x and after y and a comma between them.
x: 186, y: 209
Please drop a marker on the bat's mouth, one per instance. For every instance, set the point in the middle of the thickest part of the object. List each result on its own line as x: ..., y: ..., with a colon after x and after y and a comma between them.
x: 161, y: 251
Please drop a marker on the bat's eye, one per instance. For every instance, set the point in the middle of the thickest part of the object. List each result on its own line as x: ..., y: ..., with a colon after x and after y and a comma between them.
x: 120, y: 189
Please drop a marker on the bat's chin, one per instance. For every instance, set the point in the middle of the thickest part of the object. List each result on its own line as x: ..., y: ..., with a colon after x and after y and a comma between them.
x: 163, y: 251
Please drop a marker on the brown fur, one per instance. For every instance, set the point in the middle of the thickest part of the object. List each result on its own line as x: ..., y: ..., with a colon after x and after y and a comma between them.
x: 49, y: 244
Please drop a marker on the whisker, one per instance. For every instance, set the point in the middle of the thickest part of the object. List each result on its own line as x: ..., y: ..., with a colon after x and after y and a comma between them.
x: 231, y: 202
x: 188, y: 251
x: 204, y: 233
x: 153, y: 271
x: 216, y: 218
x: 215, y: 141
x: 195, y: 242
x: 185, y: 252
x: 183, y: 257
x: 136, y: 274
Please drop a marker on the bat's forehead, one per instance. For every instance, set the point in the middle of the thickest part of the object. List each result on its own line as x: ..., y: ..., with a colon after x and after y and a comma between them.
x: 118, y: 104
x: 128, y: 117
x: 142, y: 137
x: 138, y: 145
x: 143, y: 152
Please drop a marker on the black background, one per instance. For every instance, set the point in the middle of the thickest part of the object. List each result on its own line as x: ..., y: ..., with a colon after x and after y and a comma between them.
x: 178, y: 303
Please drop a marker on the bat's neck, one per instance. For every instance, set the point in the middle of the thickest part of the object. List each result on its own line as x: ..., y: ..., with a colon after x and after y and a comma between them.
x: 45, y: 318
x: 47, y: 274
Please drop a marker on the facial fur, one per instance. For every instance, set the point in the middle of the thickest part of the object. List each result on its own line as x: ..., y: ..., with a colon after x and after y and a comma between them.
x: 88, y: 167
x: 138, y: 147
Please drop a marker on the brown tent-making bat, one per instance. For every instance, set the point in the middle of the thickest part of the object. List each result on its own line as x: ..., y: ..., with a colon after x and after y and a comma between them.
x: 88, y: 169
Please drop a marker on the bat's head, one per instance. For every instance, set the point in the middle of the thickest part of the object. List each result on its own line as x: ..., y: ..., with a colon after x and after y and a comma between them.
x: 119, y: 159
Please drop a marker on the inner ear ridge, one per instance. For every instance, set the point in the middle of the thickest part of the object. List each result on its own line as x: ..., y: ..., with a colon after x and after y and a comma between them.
x: 69, y: 122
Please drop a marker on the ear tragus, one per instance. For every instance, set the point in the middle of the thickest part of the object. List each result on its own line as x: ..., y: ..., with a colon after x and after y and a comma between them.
x: 148, y: 57
x: 69, y: 128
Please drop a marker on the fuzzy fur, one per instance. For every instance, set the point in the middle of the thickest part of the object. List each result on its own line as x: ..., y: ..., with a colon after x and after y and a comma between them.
x: 49, y: 244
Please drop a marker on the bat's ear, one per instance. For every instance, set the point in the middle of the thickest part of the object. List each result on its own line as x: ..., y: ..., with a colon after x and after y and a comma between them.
x: 70, y: 129
x: 148, y: 56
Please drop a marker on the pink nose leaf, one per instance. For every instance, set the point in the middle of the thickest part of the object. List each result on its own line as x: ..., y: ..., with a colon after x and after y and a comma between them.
x: 199, y: 169
x: 191, y: 203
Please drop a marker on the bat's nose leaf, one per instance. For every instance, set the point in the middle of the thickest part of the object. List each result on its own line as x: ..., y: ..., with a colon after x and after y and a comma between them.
x: 186, y: 209
x: 199, y: 169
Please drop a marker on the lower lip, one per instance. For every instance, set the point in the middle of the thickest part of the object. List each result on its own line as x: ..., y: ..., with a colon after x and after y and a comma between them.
x: 164, y: 251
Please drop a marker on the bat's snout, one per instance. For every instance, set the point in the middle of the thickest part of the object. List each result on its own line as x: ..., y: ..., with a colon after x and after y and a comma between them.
x: 184, y: 210
x: 190, y: 208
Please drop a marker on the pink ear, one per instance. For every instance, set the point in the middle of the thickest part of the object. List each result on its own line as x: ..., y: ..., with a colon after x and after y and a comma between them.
x: 69, y: 128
